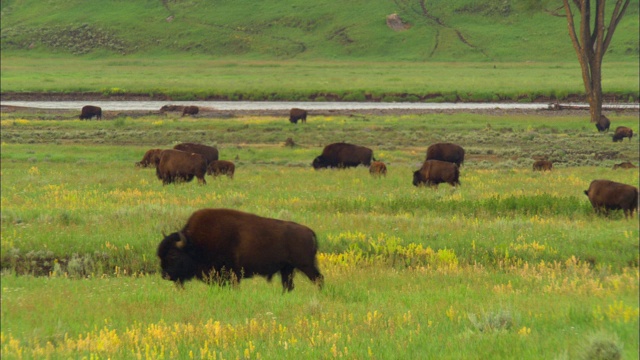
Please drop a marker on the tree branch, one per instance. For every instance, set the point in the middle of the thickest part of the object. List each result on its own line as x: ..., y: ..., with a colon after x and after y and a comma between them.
x: 615, y: 19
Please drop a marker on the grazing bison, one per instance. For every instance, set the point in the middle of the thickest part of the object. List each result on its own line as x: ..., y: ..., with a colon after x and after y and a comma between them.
x: 223, y: 245
x: 221, y: 167
x: 611, y: 195
x: 169, y: 108
x: 621, y: 133
x: 296, y: 114
x: 542, y: 165
x: 150, y: 158
x: 434, y: 172
x: 177, y: 166
x: 89, y: 111
x: 603, y: 124
x: 190, y: 110
x: 446, y: 152
x: 624, y: 165
x: 378, y: 168
x: 343, y: 155
x: 210, y: 153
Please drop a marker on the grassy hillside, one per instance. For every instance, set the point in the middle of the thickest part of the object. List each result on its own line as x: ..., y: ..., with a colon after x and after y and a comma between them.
x: 461, y: 30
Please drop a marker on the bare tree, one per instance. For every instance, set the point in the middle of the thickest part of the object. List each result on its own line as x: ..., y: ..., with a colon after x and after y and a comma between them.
x: 591, y: 45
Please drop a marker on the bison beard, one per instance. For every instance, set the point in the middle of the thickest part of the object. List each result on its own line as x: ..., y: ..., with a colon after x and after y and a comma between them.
x: 610, y: 195
x: 222, y: 246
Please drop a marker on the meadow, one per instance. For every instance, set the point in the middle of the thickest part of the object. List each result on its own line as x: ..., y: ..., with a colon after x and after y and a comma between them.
x: 511, y: 264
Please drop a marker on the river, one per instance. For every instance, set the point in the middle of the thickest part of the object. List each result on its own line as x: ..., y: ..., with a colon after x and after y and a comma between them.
x: 286, y: 105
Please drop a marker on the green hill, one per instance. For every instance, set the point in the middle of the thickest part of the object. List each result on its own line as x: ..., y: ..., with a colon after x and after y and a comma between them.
x: 441, y: 30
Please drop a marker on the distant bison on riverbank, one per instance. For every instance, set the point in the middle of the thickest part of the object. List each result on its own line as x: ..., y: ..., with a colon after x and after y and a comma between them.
x: 621, y: 133
x: 434, y: 172
x: 296, y: 114
x: 89, y: 111
x: 446, y: 152
x: 190, y: 110
x: 171, y: 108
x: 343, y: 155
x: 606, y: 195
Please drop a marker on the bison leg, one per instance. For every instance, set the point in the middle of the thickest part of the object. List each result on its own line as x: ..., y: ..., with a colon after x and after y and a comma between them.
x: 286, y: 275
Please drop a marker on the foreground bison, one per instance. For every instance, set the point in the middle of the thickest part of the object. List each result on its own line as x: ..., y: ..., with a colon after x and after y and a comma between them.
x: 190, y: 110
x: 178, y: 166
x: 222, y: 246
x: 89, y: 111
x: 377, y: 169
x: 343, y: 155
x: 624, y: 165
x: 150, y: 158
x: 603, y: 124
x: 610, y: 195
x: 446, y: 152
x: 542, y: 165
x: 210, y: 153
x: 621, y: 133
x: 221, y: 167
x: 296, y: 114
x: 434, y: 172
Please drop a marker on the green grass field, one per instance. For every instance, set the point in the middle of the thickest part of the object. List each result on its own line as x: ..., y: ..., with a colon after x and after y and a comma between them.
x: 511, y: 264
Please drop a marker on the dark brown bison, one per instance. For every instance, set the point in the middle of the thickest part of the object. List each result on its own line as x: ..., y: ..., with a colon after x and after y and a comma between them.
x: 221, y: 167
x: 171, y: 108
x: 190, y: 110
x: 223, y: 245
x: 210, y: 153
x: 89, y: 111
x: 621, y: 133
x: 178, y: 166
x: 343, y: 155
x: 603, y: 124
x: 446, y: 152
x: 610, y: 195
x: 378, y: 168
x: 434, y: 172
x: 542, y: 165
x: 296, y: 114
x: 624, y: 165
x: 150, y: 158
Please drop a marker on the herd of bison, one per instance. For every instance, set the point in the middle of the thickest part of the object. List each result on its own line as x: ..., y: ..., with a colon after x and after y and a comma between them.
x: 223, y: 245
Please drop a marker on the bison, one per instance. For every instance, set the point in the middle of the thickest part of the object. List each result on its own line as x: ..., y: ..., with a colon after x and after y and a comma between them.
x: 434, y: 172
x: 168, y: 108
x: 378, y: 168
x: 150, y: 158
x: 221, y: 167
x: 542, y: 165
x: 210, y: 153
x: 621, y: 133
x: 610, y: 195
x: 624, y: 165
x: 190, y: 110
x: 176, y: 166
x: 89, y: 111
x: 296, y: 114
x: 343, y: 155
x: 446, y: 152
x: 223, y: 245
x: 603, y: 124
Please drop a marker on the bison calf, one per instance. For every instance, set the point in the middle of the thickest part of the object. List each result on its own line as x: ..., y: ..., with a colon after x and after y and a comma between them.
x: 610, y: 195
x: 296, y: 114
x: 434, y: 172
x: 621, y: 133
x: 223, y: 245
x: 542, y: 165
x: 150, y: 158
x: 89, y: 111
x: 378, y: 168
x: 221, y: 167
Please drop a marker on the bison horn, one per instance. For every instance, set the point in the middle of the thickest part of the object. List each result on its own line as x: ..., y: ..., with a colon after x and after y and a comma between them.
x: 183, y: 240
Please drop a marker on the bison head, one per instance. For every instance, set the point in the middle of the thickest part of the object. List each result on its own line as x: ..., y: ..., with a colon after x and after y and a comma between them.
x: 417, y: 178
x: 176, y: 263
x: 319, y: 162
